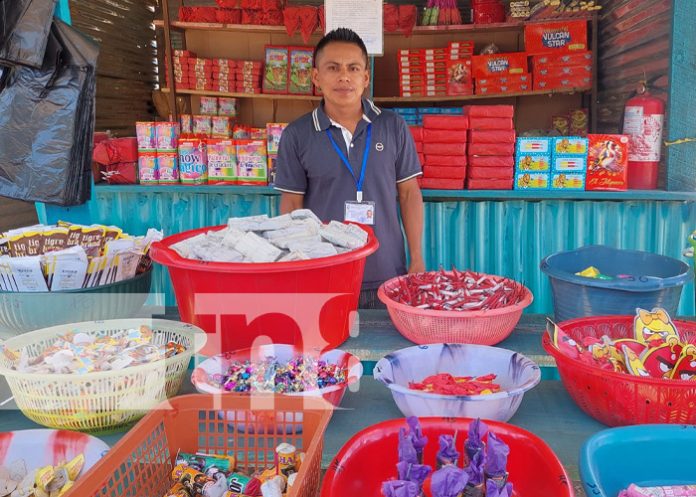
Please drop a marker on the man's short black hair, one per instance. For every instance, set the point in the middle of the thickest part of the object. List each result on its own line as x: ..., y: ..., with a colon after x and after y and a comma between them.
x: 342, y: 35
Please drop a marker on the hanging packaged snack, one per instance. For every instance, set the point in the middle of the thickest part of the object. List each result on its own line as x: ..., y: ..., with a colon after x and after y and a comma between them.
x: 607, y: 162
x: 252, y: 162
x: 222, y: 162
x: 275, y: 79
x: 193, y: 161
x: 300, y: 82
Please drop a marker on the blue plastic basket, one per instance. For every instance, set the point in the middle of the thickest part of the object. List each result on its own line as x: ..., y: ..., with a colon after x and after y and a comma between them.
x: 656, y: 281
x: 647, y: 455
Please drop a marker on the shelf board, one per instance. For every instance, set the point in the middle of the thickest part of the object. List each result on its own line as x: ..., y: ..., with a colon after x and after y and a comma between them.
x: 418, y: 30
x: 461, y: 98
x: 266, y: 96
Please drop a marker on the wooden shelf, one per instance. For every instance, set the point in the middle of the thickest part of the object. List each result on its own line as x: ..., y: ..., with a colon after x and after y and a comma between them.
x: 265, y: 96
x: 460, y: 28
x: 462, y: 98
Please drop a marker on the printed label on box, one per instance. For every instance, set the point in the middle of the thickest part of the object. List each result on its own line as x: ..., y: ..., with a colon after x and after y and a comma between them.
x: 532, y: 181
x: 301, y: 70
x: 534, y: 145
x: 533, y: 162
x: 607, y: 162
x: 570, y: 164
x: 276, y: 73
x: 568, y: 181
x: 570, y: 145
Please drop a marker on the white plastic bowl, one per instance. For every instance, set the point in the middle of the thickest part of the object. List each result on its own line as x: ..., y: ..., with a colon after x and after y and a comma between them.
x: 515, y: 374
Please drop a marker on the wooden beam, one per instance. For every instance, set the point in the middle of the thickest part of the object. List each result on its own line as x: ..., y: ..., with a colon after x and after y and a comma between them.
x: 681, y: 125
x: 171, y: 97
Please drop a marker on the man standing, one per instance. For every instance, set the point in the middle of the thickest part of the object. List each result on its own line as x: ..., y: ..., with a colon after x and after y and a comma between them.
x: 349, y: 160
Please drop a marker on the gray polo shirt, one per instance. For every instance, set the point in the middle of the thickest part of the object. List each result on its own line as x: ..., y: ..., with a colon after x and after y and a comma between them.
x: 308, y: 164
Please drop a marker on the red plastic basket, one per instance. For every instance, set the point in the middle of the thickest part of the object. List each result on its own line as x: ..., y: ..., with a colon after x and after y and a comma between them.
x: 424, y: 326
x: 618, y: 399
x: 140, y: 464
x: 369, y: 458
x: 275, y: 296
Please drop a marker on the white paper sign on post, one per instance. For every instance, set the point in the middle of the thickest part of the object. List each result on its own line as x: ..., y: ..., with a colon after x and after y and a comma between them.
x: 362, y: 16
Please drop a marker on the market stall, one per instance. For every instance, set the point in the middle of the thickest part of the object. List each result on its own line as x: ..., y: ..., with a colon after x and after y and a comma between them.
x: 452, y: 387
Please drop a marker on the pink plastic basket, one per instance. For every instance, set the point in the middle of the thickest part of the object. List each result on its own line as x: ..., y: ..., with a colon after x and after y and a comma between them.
x: 423, y: 326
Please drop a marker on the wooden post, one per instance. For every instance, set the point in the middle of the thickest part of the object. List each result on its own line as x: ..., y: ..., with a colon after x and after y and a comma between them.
x: 595, y: 74
x: 171, y: 96
x: 681, y: 124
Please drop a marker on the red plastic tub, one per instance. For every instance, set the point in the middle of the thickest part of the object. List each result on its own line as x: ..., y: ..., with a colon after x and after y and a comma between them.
x: 618, y: 399
x: 309, y: 303
x: 370, y: 457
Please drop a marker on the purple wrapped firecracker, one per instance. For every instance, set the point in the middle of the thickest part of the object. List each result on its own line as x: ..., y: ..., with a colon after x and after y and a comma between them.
x: 475, y: 444
x: 417, y: 437
x: 397, y: 488
x: 449, y: 481
x: 495, y: 467
x: 417, y: 473
x: 475, y: 486
x: 492, y: 489
x: 407, y: 452
x: 447, y: 453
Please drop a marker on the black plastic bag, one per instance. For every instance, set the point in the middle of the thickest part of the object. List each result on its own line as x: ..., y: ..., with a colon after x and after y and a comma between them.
x: 47, y: 122
x: 24, y: 28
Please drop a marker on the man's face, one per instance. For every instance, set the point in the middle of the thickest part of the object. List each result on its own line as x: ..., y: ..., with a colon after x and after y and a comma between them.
x: 341, y: 73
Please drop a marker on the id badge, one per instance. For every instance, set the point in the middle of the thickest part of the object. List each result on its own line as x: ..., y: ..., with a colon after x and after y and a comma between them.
x: 360, y: 212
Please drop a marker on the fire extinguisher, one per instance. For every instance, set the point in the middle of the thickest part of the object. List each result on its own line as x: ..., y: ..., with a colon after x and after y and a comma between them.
x: 644, y: 117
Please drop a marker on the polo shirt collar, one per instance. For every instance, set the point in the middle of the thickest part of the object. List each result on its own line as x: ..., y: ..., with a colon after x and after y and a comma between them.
x: 322, y: 122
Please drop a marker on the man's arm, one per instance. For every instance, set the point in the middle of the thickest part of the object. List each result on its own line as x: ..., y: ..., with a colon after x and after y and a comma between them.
x: 290, y: 202
x: 411, y: 203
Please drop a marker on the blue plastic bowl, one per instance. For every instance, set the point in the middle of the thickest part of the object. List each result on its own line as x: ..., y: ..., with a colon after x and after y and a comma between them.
x: 647, y: 455
x: 654, y: 281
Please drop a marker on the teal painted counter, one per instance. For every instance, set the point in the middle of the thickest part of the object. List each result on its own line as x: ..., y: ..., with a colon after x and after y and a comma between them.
x: 499, y: 232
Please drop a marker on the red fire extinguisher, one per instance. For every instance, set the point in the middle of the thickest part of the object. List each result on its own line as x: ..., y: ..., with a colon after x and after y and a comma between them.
x: 644, y: 117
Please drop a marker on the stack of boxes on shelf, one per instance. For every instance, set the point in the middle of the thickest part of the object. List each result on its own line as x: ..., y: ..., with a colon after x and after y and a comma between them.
x: 560, y: 56
x: 288, y: 70
x: 219, y: 75
x: 433, y: 72
x: 417, y: 134
x: 557, y: 163
x: 414, y: 115
x: 444, y: 148
x: 501, y: 73
x: 157, y: 152
x: 214, y: 120
x: 491, y: 147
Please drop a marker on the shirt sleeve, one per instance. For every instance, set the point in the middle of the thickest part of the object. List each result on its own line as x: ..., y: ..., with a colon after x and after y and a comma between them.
x: 407, y: 162
x: 291, y: 176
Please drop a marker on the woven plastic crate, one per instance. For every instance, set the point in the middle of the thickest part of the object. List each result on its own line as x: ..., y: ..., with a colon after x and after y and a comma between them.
x: 105, y: 401
x: 656, y: 281
x: 140, y: 464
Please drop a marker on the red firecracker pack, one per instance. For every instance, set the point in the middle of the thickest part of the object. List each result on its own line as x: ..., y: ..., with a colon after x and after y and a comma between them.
x: 489, y: 110
x: 459, y: 80
x: 564, y: 83
x: 416, y: 132
x: 489, y: 184
x: 441, y: 184
x: 444, y: 149
x: 446, y: 160
x: 460, y: 49
x: 419, y: 147
x: 496, y: 161
x: 485, y: 66
x: 507, y: 79
x: 496, y: 89
x: 491, y: 123
x: 563, y: 71
x: 492, y: 149
x: 565, y: 59
x: 444, y: 136
x: 492, y: 136
x: 491, y: 172
x: 607, y: 162
x: 433, y: 121
x: 556, y: 37
x: 444, y: 172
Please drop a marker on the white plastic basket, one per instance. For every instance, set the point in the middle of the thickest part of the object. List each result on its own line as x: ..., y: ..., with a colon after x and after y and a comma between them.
x: 102, y: 401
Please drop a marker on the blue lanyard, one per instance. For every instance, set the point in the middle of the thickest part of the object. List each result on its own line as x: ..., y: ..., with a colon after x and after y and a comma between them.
x: 358, y: 182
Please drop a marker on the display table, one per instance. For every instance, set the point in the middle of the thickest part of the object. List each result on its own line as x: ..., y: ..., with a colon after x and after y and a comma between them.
x: 546, y: 410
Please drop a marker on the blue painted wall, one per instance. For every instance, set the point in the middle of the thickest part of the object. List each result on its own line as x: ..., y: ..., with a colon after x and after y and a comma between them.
x: 507, y: 237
